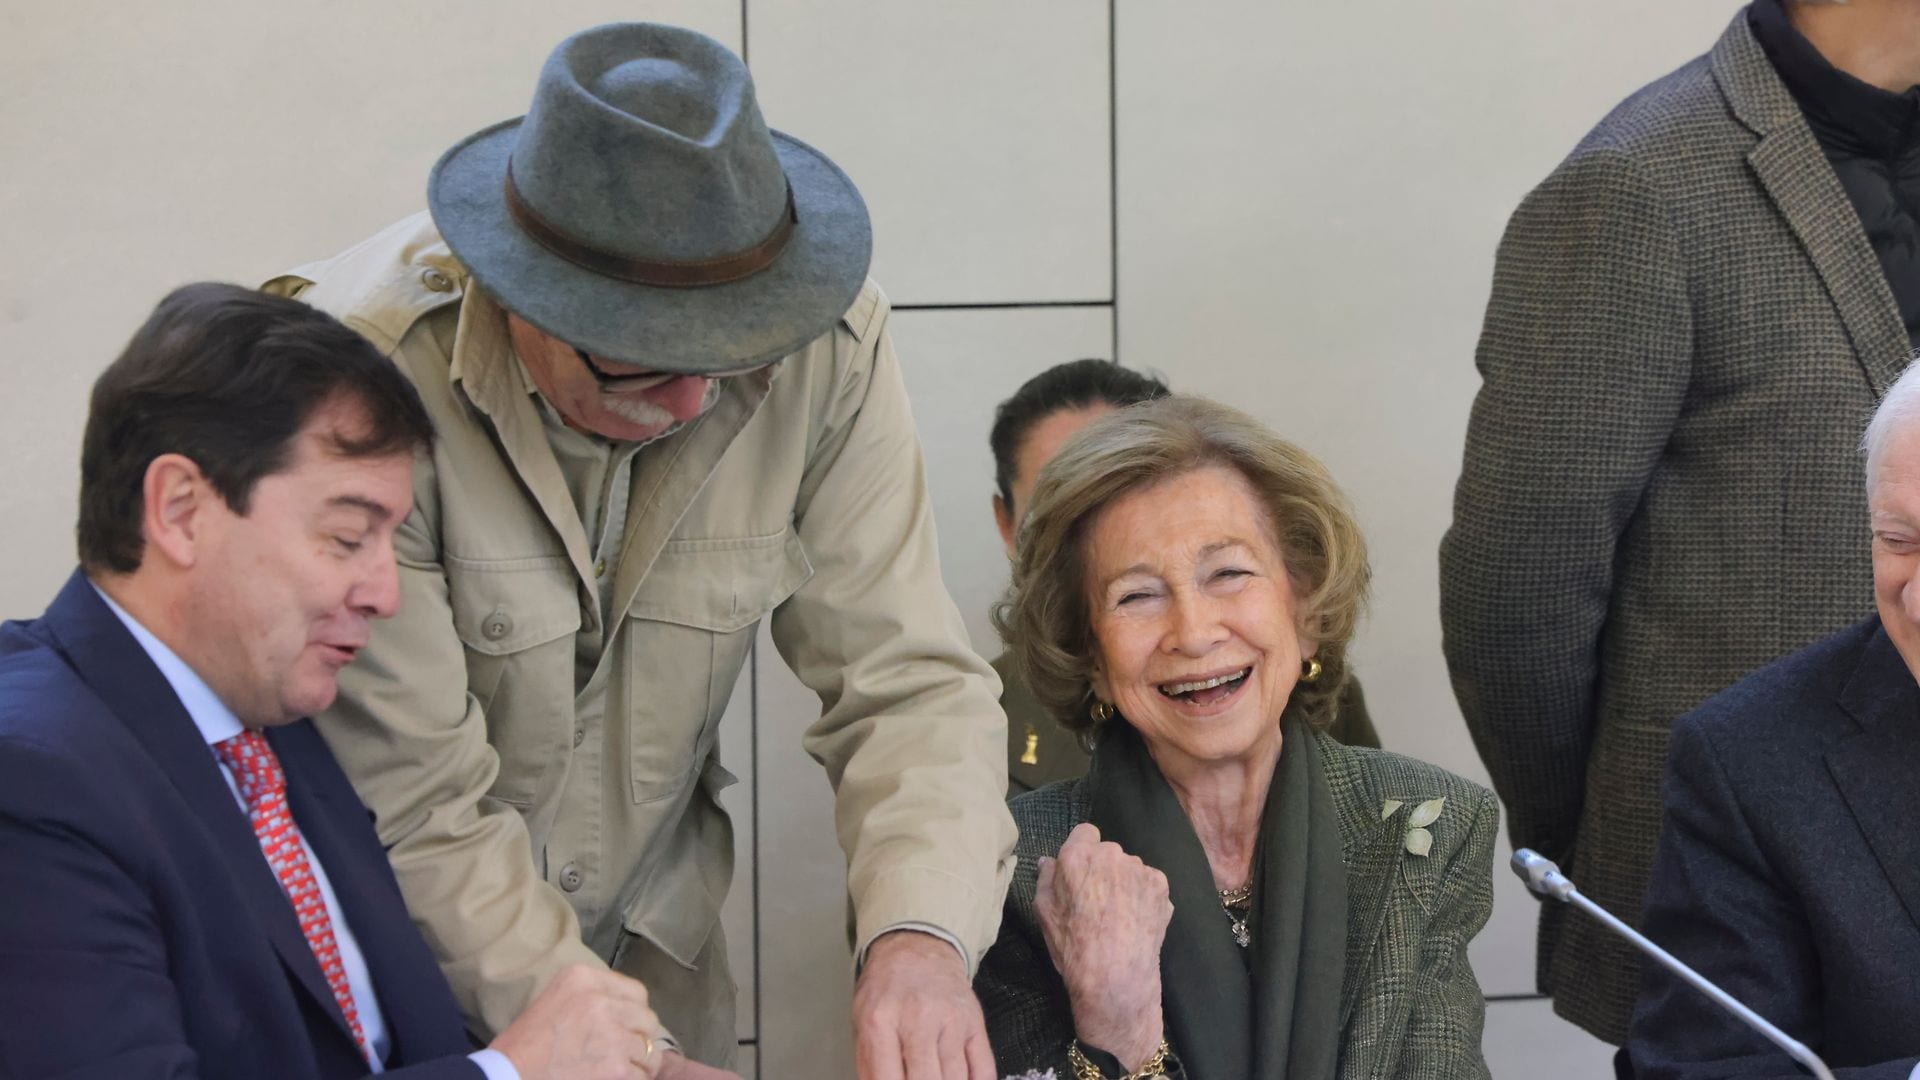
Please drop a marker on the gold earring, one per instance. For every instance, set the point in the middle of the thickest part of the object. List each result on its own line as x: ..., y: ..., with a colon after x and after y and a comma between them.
x: 1309, y: 669
x: 1101, y: 712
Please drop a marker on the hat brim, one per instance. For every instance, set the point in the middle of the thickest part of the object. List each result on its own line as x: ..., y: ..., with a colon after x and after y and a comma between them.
x: 697, y: 331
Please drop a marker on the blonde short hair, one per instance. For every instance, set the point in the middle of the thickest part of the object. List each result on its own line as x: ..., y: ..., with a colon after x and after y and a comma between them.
x: 1046, y: 618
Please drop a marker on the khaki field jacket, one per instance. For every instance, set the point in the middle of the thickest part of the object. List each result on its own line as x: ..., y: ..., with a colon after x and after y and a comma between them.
x: 532, y: 827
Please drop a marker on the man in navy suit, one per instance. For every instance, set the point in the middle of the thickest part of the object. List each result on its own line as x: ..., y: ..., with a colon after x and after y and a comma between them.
x: 1789, y: 858
x: 188, y: 885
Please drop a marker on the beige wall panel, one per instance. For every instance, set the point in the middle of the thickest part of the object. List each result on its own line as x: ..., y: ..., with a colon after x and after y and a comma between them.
x: 959, y: 365
x: 1524, y: 1038
x: 978, y: 132
x: 806, y: 960
x: 1309, y: 200
x: 149, y: 145
x: 736, y: 747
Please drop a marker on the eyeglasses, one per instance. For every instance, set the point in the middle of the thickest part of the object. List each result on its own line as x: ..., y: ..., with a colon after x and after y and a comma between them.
x: 628, y: 384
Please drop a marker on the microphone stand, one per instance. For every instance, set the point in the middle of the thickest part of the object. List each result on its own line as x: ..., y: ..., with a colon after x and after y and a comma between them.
x: 1545, y: 879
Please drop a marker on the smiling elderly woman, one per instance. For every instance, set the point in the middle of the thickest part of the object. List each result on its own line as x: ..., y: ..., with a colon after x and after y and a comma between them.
x: 1227, y: 892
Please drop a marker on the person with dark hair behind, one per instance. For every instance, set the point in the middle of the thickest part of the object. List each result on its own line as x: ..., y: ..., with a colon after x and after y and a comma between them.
x: 190, y: 885
x: 1028, y: 428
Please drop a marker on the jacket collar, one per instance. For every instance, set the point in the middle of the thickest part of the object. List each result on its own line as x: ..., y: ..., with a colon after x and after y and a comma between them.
x: 666, y: 477
x: 114, y: 666
x: 1874, y: 767
x: 483, y: 367
x: 1793, y: 170
x: 1843, y: 111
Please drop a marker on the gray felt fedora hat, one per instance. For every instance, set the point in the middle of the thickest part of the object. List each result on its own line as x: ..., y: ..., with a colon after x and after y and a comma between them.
x: 643, y: 211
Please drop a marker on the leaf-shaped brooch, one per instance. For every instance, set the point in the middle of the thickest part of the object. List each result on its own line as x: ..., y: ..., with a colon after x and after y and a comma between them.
x: 1419, y: 841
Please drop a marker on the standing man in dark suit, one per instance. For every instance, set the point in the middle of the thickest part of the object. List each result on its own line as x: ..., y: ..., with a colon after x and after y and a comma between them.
x: 190, y: 887
x: 1789, y: 863
x: 1690, y: 318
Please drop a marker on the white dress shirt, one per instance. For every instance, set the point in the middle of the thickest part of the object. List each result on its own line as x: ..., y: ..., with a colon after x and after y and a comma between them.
x: 217, y: 724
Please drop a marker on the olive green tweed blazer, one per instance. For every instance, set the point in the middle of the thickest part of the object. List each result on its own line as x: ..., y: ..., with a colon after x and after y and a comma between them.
x: 1410, y: 1008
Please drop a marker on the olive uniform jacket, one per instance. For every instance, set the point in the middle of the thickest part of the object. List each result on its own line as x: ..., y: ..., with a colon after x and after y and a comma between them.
x: 1410, y: 1006
x: 1662, y: 489
x: 534, y: 823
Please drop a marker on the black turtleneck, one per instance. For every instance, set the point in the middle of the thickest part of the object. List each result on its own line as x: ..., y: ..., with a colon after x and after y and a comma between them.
x: 1872, y: 138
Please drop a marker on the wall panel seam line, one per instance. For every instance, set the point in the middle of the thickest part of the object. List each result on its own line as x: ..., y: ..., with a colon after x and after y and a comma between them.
x: 753, y: 814
x: 1005, y: 305
x: 1113, y: 167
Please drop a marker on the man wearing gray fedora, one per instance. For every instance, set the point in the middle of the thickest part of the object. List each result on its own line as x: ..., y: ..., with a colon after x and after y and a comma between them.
x: 668, y: 407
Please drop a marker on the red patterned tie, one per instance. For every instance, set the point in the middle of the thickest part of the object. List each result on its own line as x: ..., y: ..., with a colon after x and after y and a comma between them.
x: 256, y: 769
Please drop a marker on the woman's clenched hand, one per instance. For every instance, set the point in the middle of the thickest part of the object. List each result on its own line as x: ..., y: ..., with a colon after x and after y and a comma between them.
x: 1104, y: 914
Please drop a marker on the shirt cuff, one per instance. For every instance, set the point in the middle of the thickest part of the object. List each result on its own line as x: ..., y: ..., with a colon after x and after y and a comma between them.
x: 928, y: 928
x: 1915, y: 1074
x: 496, y: 1065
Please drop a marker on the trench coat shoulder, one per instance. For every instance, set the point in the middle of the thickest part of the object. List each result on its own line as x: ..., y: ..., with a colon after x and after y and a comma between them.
x: 383, y: 285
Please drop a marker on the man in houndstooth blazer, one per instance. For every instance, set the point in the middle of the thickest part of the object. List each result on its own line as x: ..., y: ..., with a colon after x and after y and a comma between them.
x: 1687, y: 331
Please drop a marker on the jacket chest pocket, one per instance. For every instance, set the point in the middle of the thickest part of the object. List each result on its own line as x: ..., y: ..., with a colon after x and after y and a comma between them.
x: 517, y: 619
x: 688, y: 633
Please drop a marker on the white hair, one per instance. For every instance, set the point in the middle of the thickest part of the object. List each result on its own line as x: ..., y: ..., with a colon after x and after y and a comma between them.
x: 1896, y: 412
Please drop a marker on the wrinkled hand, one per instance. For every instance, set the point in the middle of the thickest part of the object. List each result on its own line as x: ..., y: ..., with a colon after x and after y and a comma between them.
x: 914, y: 1013
x: 588, y: 1024
x: 675, y: 1067
x: 1104, y: 914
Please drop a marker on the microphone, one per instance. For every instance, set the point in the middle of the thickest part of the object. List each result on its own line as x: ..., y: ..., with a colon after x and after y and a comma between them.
x: 1545, y: 878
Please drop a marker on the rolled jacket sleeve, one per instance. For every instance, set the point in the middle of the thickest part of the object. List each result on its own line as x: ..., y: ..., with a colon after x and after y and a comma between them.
x: 911, y: 732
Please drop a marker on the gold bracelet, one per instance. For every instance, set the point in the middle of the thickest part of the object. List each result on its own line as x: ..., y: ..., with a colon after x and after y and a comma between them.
x: 1087, y: 1070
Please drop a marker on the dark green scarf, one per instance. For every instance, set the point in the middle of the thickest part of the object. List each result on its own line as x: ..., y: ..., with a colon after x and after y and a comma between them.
x: 1278, y: 1018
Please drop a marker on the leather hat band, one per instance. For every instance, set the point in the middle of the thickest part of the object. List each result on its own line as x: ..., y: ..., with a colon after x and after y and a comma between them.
x: 665, y: 273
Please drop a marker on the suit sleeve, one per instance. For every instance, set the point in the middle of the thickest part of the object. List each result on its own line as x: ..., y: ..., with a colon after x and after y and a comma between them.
x: 1029, y: 1018
x: 911, y: 732
x: 85, y: 986
x: 1584, y: 359
x: 1449, y: 1011
x: 1717, y: 906
x: 415, y: 743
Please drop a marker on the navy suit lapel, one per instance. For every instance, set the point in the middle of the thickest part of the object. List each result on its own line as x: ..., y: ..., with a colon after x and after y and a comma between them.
x: 1875, y: 768
x: 412, y: 1001
x: 116, y: 668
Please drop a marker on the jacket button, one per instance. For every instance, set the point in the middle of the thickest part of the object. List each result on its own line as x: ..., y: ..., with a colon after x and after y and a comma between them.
x: 579, y: 735
x: 435, y: 280
x: 571, y: 878
x: 498, y: 625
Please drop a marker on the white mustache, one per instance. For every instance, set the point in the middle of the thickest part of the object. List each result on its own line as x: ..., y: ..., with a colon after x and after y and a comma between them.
x: 638, y: 410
